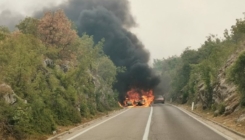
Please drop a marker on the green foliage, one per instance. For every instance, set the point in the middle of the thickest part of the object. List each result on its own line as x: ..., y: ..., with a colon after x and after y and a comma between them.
x: 84, y: 110
x: 64, y: 113
x: 106, y: 70
x: 190, y: 56
x: 28, y: 26
x: 242, y: 101
x: 205, y: 72
x: 157, y: 65
x: 5, y: 118
x: 4, y: 29
x: 221, y: 108
x: 238, y: 30
x: 237, y: 75
x: 19, y: 66
x: 181, y: 76
x: 4, y: 32
x: 168, y: 71
x: 61, y: 84
x: 41, y: 116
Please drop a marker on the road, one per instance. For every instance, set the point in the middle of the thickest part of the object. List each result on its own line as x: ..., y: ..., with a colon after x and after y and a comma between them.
x: 159, y: 122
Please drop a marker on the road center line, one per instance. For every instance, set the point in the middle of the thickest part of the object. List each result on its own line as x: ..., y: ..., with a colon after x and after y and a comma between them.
x: 148, y: 125
x: 95, y: 125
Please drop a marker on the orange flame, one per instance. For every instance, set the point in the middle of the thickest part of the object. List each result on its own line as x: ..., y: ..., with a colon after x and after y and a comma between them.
x: 136, y: 97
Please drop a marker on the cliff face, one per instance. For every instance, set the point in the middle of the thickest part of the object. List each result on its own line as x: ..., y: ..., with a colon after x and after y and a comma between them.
x: 223, y: 91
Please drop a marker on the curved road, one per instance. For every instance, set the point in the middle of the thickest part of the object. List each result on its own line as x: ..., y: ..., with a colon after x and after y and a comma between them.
x: 159, y: 122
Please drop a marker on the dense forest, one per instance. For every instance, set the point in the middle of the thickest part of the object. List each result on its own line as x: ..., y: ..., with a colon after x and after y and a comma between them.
x: 50, y: 76
x: 205, y: 75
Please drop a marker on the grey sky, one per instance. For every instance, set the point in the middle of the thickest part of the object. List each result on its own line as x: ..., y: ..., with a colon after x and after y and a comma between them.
x: 166, y: 27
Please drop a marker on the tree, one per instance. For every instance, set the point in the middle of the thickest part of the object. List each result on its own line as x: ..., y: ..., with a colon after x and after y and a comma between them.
x: 158, y: 65
x: 106, y: 70
x: 190, y: 56
x: 20, y: 57
x: 238, y: 30
x: 4, y: 32
x: 55, y: 29
x: 35, y: 73
x: 237, y: 75
x: 29, y: 26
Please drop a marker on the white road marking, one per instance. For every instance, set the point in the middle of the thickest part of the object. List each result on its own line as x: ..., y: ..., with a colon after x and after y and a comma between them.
x: 218, y: 132
x: 148, y: 125
x: 86, y: 130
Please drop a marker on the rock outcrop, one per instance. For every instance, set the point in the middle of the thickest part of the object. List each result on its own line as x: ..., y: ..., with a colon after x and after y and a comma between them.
x: 224, y: 92
x: 223, y: 89
x: 7, y: 94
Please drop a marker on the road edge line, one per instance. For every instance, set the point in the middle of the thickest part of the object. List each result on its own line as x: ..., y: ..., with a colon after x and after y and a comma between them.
x: 225, y: 127
x: 213, y: 129
x: 148, y: 125
x: 96, y: 125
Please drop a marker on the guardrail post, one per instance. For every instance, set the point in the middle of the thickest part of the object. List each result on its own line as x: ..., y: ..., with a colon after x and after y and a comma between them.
x: 192, y: 106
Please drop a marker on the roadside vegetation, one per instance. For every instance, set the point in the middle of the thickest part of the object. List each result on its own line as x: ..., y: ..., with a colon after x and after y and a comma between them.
x: 196, y: 75
x: 49, y: 77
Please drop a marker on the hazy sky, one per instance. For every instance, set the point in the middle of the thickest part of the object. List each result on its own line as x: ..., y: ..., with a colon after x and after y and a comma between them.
x: 166, y: 27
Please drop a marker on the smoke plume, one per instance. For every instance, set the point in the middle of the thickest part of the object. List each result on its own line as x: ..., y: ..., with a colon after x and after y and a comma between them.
x: 9, y: 19
x: 111, y: 20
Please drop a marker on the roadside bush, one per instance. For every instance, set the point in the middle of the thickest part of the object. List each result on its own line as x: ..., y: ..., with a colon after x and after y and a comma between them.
x: 52, y: 80
x: 221, y: 108
x: 64, y: 113
x: 42, y: 120
x: 237, y: 75
x: 92, y: 107
x: 242, y: 100
x: 84, y: 110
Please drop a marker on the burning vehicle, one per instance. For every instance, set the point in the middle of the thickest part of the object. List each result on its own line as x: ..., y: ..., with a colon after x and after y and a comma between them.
x: 137, y: 97
x: 140, y: 102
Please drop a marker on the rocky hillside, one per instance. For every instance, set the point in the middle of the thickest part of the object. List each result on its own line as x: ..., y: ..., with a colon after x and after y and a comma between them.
x: 212, y: 76
x: 224, y: 92
x: 51, y: 78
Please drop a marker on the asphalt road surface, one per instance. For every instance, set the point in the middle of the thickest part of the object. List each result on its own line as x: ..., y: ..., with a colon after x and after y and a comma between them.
x: 159, y: 122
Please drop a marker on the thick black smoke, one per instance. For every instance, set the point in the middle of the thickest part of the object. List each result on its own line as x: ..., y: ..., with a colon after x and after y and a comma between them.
x: 111, y: 19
